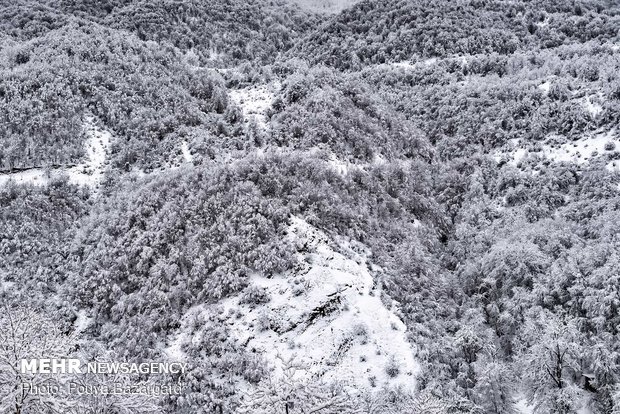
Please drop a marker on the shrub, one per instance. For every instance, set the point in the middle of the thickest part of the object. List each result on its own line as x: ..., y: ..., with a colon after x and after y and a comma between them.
x: 263, y: 322
x: 360, y: 330
x: 392, y: 369
x: 254, y: 295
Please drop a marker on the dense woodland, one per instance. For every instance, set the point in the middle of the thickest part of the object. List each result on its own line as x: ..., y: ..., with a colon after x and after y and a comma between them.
x: 506, y: 271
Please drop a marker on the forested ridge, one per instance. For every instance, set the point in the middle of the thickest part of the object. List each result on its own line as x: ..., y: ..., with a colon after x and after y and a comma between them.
x: 471, y: 146
x: 378, y: 32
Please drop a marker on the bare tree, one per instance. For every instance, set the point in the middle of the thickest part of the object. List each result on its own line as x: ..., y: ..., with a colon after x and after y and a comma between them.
x: 296, y: 392
x: 397, y: 401
x: 24, y: 335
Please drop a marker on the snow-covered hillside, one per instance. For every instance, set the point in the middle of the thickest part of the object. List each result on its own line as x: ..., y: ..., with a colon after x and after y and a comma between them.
x: 88, y: 173
x: 327, y: 314
x: 255, y: 101
x: 580, y: 151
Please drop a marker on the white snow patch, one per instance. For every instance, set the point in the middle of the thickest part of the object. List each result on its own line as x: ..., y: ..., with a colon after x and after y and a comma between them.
x: 187, y: 156
x: 82, y: 322
x: 613, y: 166
x: 593, y: 107
x: 519, y: 154
x: 379, y: 159
x: 174, y: 351
x: 523, y: 407
x: 545, y: 86
x: 6, y: 286
x: 417, y: 61
x: 37, y: 176
x: 88, y: 173
x: 513, y: 155
x: 326, y: 314
x: 582, y: 150
x: 405, y: 64
x: 408, y: 64
x: 325, y: 6
x: 215, y: 55
x: 341, y: 167
x: 330, y: 315
x: 255, y: 101
x: 584, y: 410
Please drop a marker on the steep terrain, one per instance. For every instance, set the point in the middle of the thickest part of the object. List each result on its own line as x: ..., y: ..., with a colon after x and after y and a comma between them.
x: 413, y: 202
x: 329, y: 312
x: 374, y: 32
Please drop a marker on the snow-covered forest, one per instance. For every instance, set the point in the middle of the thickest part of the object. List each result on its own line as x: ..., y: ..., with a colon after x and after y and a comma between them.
x: 321, y: 206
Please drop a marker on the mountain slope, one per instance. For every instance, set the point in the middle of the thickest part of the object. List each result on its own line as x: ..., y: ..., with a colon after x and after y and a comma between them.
x: 399, y: 30
x: 417, y: 200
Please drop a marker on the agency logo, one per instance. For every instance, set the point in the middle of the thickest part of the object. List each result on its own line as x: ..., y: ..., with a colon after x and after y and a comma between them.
x: 75, y: 366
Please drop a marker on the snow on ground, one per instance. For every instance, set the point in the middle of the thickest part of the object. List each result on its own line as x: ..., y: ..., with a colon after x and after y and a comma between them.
x: 584, y: 405
x: 415, y: 61
x: 613, y: 166
x: 523, y: 407
x: 545, y: 86
x: 580, y: 151
x: 37, y: 176
x: 379, y: 160
x: 326, y: 314
x: 592, y: 105
x: 340, y: 166
x: 88, y: 173
x: 187, y: 156
x: 255, y: 101
x: 325, y: 6
x: 6, y: 286
x: 82, y: 322
x: 513, y: 155
x: 343, y: 167
x: 407, y: 64
x: 331, y: 316
x: 215, y: 55
x: 174, y: 351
